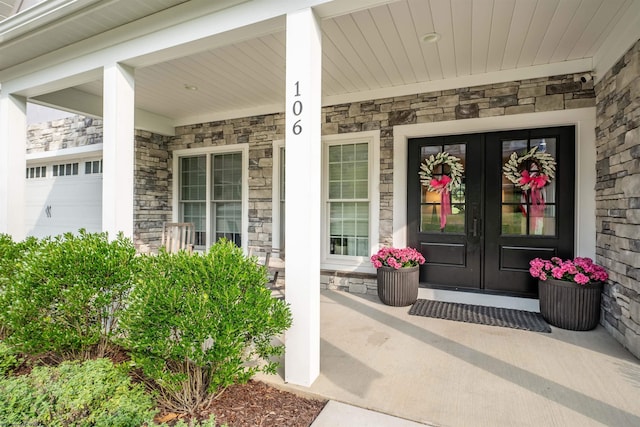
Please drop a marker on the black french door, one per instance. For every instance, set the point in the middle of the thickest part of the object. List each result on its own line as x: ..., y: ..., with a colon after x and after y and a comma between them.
x: 493, y: 227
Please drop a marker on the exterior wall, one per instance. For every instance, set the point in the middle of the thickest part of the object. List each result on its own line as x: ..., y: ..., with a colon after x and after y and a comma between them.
x: 526, y: 96
x: 259, y: 132
x: 151, y: 203
x: 153, y: 175
x: 70, y: 132
x: 618, y: 196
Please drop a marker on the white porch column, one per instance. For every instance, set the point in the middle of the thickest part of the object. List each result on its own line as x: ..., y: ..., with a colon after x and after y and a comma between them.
x: 13, y: 146
x: 302, y: 183
x: 118, y: 150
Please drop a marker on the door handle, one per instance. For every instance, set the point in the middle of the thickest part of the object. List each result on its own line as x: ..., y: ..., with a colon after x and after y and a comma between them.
x: 475, y: 227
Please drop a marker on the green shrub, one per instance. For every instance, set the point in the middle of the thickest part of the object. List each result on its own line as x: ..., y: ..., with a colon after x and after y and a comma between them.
x: 198, y: 323
x: 9, y: 359
x: 11, y: 254
x: 92, y: 393
x: 66, y: 294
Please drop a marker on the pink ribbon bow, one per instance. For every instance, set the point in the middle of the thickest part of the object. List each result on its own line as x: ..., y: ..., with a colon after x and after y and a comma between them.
x: 440, y: 185
x: 536, y: 182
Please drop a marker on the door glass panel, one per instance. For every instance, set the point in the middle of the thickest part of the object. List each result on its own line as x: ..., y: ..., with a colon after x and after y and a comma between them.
x: 431, y: 201
x: 533, y: 211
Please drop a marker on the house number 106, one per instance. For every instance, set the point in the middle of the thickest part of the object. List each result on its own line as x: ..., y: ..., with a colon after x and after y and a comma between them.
x: 297, y: 110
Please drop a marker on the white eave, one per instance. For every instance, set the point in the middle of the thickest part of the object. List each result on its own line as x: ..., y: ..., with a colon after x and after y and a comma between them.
x: 38, y: 16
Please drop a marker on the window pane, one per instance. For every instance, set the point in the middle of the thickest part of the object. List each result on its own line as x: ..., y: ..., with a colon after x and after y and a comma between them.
x: 349, y: 228
x: 227, y: 221
x: 193, y: 178
x: 227, y: 177
x: 87, y: 168
x: 431, y: 201
x: 195, y: 212
x: 361, y: 190
x: 532, y: 211
x: 335, y: 190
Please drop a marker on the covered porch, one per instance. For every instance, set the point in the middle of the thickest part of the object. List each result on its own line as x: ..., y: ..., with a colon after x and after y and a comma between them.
x: 441, y: 372
x: 181, y: 85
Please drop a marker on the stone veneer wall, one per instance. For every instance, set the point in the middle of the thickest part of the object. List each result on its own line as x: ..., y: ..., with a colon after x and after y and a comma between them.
x: 526, y: 96
x: 259, y: 132
x: 151, y: 205
x: 75, y: 131
x: 618, y: 196
x: 151, y: 190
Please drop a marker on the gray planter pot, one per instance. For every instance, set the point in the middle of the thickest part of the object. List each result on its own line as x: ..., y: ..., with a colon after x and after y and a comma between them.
x: 398, y: 287
x: 568, y: 305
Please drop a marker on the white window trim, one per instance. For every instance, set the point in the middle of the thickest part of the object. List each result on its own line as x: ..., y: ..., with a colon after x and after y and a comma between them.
x: 275, y: 195
x: 344, y: 262
x: 208, y: 151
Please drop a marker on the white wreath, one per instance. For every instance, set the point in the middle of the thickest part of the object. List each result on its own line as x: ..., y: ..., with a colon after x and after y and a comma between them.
x: 513, y: 168
x: 443, y: 158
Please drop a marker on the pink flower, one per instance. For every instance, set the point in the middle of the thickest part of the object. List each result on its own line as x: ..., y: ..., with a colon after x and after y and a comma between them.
x: 581, y: 279
x: 579, y: 270
x: 397, y: 258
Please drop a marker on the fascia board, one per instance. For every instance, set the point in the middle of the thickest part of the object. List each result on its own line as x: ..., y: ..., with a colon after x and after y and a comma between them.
x: 39, y: 16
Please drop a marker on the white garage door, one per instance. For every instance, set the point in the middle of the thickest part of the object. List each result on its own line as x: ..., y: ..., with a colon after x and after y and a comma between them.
x: 63, y: 196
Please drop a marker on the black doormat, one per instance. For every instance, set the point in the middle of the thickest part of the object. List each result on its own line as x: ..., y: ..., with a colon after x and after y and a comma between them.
x: 493, y: 316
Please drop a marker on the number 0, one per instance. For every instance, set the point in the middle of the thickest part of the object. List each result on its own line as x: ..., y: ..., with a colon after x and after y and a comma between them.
x: 297, y: 108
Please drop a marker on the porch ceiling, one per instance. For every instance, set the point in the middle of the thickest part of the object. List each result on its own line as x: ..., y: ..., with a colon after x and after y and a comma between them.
x: 379, y: 50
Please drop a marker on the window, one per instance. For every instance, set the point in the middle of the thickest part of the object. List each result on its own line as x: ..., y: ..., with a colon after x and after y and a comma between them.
x: 348, y: 199
x: 37, y: 172
x: 93, y: 167
x: 210, y: 193
x: 65, y: 169
x: 226, y: 197
x: 351, y: 201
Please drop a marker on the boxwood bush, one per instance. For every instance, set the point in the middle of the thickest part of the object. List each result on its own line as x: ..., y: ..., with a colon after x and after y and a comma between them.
x: 65, y: 293
x: 197, y: 323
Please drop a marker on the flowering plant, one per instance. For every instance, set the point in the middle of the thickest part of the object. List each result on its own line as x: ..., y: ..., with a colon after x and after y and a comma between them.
x: 579, y: 270
x: 397, y: 258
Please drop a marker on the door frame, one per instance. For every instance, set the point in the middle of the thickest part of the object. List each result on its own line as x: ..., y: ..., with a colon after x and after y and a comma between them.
x: 584, y: 120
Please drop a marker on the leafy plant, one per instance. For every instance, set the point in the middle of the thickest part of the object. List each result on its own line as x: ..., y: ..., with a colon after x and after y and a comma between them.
x: 92, y: 393
x: 65, y: 295
x: 11, y: 254
x: 9, y: 359
x: 197, y: 323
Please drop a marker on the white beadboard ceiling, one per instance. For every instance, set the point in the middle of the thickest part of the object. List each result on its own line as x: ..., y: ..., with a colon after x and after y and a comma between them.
x: 7, y: 8
x: 372, y: 50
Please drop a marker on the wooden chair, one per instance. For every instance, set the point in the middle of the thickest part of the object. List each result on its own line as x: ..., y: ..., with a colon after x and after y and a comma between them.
x: 264, y: 257
x: 178, y: 236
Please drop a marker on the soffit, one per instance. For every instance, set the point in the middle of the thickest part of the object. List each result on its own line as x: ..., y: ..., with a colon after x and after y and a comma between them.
x: 80, y: 25
x: 380, y: 48
x: 7, y: 8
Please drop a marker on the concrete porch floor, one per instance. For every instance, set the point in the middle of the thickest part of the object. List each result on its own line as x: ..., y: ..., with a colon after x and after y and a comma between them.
x: 447, y: 373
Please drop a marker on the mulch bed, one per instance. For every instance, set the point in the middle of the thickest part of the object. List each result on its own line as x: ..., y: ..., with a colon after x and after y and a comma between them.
x: 242, y: 405
x: 258, y: 404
